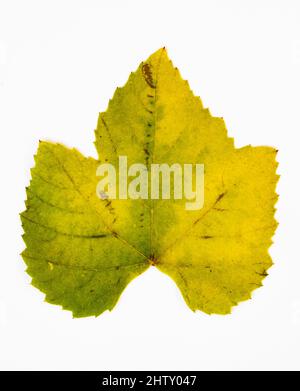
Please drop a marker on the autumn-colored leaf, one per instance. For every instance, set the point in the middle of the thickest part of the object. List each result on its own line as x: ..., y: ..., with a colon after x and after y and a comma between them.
x: 82, y: 251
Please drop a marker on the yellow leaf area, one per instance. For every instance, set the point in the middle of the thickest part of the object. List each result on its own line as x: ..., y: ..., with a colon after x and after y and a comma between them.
x: 82, y: 251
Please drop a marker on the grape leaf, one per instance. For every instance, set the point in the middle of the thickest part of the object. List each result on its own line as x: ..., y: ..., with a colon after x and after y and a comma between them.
x: 82, y: 251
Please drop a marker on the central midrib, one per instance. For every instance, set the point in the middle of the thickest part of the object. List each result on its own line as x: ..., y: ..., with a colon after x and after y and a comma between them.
x: 152, y: 259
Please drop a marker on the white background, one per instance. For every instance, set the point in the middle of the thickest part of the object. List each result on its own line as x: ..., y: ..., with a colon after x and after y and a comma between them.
x: 60, y: 62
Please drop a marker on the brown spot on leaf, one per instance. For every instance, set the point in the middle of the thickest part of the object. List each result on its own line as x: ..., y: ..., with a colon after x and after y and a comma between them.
x: 147, y: 73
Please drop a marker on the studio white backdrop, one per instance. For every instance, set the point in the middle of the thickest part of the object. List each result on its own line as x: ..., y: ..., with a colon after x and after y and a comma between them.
x: 60, y: 62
